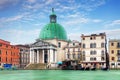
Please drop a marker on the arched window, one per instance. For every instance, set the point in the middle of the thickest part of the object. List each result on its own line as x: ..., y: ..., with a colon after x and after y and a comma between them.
x: 73, y: 55
x: 102, y: 45
x: 78, y: 55
x: 94, y: 45
x: 59, y: 44
x: 83, y: 52
x: 95, y: 59
x: 91, y: 45
x: 83, y: 45
x: 91, y: 52
x: 95, y: 52
x: 102, y: 52
x: 68, y: 56
x: 73, y: 44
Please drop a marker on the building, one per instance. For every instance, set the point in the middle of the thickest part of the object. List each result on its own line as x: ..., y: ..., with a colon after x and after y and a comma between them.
x: 48, y: 48
x: 94, y: 50
x: 114, y: 53
x: 73, y: 51
x: 24, y: 55
x: 9, y: 54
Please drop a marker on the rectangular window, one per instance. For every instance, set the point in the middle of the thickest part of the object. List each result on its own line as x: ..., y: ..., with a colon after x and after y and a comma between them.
x: 0, y: 51
x: 112, y: 44
x: 112, y: 51
x: 0, y: 59
x: 118, y: 52
x: 83, y: 38
x: 112, y: 63
x: 118, y: 45
x: 83, y: 58
x: 119, y: 59
x: 0, y: 45
x: 6, y: 52
x: 102, y: 58
x: 6, y: 59
x: 68, y: 56
x: 102, y: 37
x: 91, y: 59
x: 6, y: 46
x: 21, y: 49
x: 59, y: 44
x: 113, y: 58
x: 73, y: 56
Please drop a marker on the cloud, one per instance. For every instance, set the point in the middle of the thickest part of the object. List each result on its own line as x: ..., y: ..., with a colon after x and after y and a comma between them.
x: 49, y: 2
x: 13, y: 18
x: 89, y: 5
x: 31, y: 1
x: 113, y: 23
x: 4, y: 4
x: 96, y: 20
x: 74, y: 36
x: 20, y: 36
x: 111, y: 34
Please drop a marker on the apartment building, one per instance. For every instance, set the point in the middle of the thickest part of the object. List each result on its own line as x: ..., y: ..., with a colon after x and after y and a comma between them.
x: 73, y: 50
x: 114, y: 53
x: 9, y: 54
x: 94, y: 50
x: 24, y: 55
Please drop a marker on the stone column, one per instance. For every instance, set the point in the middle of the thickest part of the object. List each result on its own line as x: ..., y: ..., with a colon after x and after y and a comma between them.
x: 38, y: 57
x: 33, y: 55
x: 48, y: 53
x: 43, y: 55
x: 30, y: 55
x: 51, y: 55
x: 55, y: 56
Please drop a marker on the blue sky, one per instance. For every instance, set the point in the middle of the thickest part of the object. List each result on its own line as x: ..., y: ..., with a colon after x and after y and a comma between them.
x: 22, y: 20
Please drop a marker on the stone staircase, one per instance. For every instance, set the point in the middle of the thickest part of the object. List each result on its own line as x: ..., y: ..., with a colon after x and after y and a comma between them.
x: 35, y: 66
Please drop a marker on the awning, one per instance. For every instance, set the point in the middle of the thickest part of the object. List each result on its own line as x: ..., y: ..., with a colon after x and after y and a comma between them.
x: 59, y: 62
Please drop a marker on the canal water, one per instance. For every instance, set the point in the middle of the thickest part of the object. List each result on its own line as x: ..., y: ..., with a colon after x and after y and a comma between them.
x: 59, y: 75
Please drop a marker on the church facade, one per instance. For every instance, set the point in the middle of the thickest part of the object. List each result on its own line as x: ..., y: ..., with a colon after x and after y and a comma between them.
x: 48, y: 48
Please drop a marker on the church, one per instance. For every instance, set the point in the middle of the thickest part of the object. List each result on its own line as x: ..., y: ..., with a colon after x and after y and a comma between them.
x: 48, y: 48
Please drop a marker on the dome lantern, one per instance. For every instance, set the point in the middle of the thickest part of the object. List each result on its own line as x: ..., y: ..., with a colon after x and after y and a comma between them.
x: 53, y: 30
x: 53, y: 17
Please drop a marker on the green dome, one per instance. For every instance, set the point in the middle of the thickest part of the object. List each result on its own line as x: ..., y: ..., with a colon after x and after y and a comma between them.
x: 52, y: 31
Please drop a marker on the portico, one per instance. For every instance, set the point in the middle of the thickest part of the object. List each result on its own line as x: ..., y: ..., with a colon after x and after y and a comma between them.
x: 43, y: 52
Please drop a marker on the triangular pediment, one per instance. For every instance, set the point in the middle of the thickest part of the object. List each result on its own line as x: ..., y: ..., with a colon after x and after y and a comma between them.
x: 40, y: 43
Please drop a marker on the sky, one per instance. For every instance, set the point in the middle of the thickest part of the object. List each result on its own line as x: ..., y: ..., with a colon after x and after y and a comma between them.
x: 22, y: 20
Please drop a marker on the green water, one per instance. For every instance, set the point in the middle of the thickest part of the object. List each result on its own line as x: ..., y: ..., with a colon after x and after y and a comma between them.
x: 59, y: 75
